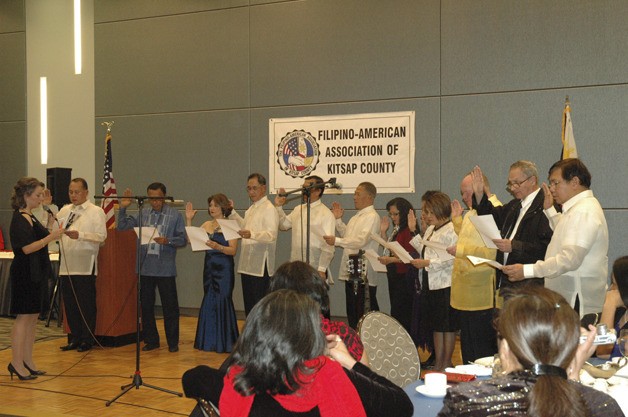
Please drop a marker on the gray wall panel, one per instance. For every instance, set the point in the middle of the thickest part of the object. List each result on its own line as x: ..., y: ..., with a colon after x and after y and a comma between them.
x: 12, y: 16
x: 176, y: 63
x: 12, y: 162
x: 495, y: 45
x: 616, y: 221
x: 494, y: 130
x: 329, y: 51
x: 13, y: 76
x: 113, y: 10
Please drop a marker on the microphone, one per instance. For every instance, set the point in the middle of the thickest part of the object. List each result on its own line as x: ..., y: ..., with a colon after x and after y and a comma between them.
x: 336, y: 185
x: 49, y: 211
x: 175, y: 202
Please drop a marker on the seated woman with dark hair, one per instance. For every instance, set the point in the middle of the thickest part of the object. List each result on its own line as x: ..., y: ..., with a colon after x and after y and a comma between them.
x: 540, y: 353
x: 615, y: 310
x: 303, y: 278
x: 278, y: 365
x: 377, y: 395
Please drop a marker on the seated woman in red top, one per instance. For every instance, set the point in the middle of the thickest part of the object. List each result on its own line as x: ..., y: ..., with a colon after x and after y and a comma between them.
x: 278, y: 365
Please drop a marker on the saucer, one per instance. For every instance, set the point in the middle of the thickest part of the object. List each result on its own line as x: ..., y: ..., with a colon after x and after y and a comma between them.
x: 422, y: 389
x: 487, y: 361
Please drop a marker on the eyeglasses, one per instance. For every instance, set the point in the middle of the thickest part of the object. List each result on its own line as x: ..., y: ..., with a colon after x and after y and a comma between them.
x: 516, y: 184
x: 253, y: 188
x: 554, y: 183
x: 393, y: 214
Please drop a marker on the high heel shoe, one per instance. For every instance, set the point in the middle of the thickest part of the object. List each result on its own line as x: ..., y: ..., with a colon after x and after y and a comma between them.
x: 12, y: 371
x: 32, y: 371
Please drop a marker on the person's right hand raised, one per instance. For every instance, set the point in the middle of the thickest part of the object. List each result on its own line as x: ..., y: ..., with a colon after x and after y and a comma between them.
x: 125, y: 201
x: 456, y: 208
x: 337, y: 210
x: 412, y: 224
x: 280, y: 201
x: 548, y: 200
x: 189, y: 211
x: 384, y: 224
x: 478, y: 183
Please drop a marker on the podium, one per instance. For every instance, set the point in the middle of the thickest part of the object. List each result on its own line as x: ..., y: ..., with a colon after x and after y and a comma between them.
x: 116, y: 290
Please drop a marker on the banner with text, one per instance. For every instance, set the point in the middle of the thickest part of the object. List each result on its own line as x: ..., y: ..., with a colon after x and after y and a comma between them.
x: 375, y: 147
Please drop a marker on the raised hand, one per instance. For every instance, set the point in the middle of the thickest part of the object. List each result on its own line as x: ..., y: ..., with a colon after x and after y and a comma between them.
x: 280, y: 201
x: 548, y: 200
x: 384, y: 224
x: 125, y: 201
x: 337, y: 209
x: 412, y: 221
x: 47, y: 197
x: 456, y: 209
x: 478, y: 183
x: 189, y: 213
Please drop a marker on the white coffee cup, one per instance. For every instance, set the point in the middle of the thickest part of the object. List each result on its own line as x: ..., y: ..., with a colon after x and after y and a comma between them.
x: 436, y: 382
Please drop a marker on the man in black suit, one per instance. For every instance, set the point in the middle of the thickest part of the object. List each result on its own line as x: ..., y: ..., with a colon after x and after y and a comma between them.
x: 523, y: 226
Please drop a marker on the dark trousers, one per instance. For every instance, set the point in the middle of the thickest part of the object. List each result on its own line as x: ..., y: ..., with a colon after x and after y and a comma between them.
x: 254, y: 289
x: 401, y: 292
x: 477, y: 334
x: 170, y: 303
x: 84, y: 286
x: 355, y: 303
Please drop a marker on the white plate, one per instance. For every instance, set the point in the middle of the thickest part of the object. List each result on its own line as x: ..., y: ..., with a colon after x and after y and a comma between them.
x: 473, y: 369
x: 487, y: 361
x: 422, y: 389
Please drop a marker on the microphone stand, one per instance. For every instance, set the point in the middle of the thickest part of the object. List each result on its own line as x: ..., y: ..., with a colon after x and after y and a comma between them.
x: 137, y: 375
x: 306, y: 193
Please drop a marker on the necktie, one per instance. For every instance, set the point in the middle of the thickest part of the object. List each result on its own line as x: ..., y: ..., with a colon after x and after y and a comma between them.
x: 511, y: 219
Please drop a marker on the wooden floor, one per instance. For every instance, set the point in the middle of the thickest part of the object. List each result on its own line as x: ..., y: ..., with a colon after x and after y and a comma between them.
x: 79, y: 384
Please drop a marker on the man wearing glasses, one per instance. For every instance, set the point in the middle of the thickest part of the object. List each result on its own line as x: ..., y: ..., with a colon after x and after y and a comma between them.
x: 259, y: 241
x: 576, y: 262
x: 523, y: 226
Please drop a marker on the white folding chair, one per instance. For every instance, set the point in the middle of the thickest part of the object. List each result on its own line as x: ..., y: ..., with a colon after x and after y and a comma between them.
x: 389, y: 347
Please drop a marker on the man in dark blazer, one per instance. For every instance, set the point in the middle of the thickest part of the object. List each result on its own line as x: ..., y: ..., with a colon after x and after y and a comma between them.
x: 523, y: 226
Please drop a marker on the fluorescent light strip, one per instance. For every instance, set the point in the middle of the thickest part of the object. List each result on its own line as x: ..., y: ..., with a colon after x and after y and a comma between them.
x: 78, y: 58
x: 43, y: 114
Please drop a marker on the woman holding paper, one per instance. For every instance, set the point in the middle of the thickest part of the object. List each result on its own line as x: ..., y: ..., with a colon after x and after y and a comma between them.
x: 217, y: 328
x: 400, y: 284
x: 436, y: 274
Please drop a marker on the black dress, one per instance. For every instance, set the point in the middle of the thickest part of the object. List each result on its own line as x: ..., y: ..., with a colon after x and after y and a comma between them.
x: 29, y: 273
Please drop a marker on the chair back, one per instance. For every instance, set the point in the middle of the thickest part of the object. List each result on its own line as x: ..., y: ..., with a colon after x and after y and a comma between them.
x: 390, y: 349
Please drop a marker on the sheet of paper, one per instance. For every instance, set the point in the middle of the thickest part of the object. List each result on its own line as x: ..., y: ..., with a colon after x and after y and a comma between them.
x: 477, y: 261
x: 198, y: 237
x: 439, y: 248
x: 400, y: 252
x: 148, y: 234
x: 488, y: 229
x: 230, y: 228
x: 395, y: 247
x: 372, y: 256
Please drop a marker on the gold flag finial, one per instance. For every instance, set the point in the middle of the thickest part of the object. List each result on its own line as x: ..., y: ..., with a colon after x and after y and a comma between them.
x: 108, y: 124
x: 567, y: 103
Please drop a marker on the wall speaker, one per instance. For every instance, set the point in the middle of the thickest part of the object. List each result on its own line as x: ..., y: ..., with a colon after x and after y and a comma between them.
x: 58, y: 182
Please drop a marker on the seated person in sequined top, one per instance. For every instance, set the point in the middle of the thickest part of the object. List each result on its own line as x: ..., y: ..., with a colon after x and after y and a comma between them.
x: 541, y: 358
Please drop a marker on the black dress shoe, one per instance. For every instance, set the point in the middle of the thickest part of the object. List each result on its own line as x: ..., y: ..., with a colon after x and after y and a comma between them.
x: 173, y: 349
x: 147, y: 348
x: 12, y: 371
x: 32, y: 371
x: 70, y: 346
x: 84, y: 347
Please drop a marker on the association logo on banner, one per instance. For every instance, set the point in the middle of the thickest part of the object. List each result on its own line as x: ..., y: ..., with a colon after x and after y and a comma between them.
x: 298, y: 154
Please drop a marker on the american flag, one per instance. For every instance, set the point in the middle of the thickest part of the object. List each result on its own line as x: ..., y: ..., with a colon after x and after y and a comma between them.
x: 109, y: 186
